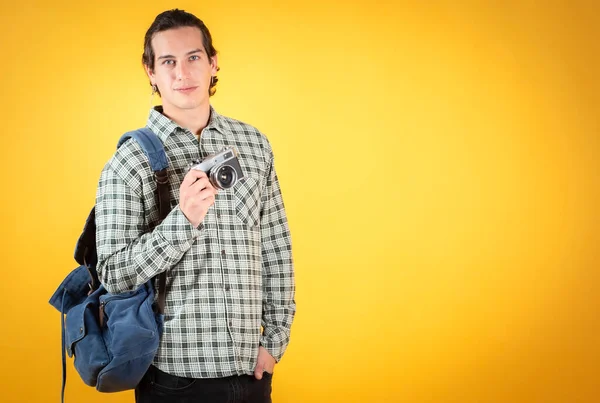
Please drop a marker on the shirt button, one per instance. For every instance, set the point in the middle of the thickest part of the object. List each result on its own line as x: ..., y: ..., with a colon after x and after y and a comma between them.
x: 223, y: 252
x: 218, y: 215
x: 227, y: 287
x: 230, y: 324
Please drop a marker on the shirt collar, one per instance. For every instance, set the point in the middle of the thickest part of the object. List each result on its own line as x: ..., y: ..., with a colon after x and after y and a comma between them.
x: 164, y: 127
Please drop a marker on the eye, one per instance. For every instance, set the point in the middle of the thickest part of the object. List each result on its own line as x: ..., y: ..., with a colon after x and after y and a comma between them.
x: 194, y: 57
x: 168, y: 62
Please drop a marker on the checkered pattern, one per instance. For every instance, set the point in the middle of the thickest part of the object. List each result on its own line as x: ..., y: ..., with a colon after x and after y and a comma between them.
x: 226, y: 278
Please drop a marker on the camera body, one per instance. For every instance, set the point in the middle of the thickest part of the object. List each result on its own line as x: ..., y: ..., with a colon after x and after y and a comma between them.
x: 223, y: 169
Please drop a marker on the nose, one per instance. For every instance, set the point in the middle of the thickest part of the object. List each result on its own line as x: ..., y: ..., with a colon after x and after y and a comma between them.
x: 181, y: 71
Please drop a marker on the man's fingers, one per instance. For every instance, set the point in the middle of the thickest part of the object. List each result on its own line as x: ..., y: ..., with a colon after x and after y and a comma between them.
x: 192, y: 176
x: 207, y: 195
x: 258, y: 372
x: 199, y: 185
x: 200, y: 190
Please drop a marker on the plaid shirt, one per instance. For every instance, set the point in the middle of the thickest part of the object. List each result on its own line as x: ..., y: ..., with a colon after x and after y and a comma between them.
x: 227, y: 277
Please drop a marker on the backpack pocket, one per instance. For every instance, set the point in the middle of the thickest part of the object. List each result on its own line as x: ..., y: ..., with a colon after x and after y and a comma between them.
x: 83, y: 339
x: 130, y: 322
x: 132, y: 334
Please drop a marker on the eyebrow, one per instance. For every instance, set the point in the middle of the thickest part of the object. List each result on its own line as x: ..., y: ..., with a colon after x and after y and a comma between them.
x: 187, y: 54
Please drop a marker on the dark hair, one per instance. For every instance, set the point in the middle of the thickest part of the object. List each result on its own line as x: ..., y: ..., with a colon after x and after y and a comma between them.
x: 176, y: 19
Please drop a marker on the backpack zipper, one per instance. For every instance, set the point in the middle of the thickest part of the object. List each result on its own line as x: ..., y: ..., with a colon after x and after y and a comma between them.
x: 102, y: 313
x: 106, y: 301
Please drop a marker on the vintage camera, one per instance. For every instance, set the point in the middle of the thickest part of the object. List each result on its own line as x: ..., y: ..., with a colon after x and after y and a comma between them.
x: 223, y: 169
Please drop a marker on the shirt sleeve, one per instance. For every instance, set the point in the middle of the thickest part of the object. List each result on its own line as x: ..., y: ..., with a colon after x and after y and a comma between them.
x: 128, y: 254
x: 279, y: 306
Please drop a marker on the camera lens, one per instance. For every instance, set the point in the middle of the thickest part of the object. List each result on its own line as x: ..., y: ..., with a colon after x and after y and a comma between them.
x: 225, y: 177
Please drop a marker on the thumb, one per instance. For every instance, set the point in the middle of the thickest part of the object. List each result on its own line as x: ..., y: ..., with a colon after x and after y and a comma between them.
x: 258, y: 372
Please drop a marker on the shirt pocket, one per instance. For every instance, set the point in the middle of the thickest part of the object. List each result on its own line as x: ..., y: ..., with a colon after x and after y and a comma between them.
x: 247, y: 201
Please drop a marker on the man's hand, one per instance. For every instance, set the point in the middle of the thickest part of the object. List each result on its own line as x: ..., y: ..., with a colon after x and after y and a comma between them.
x: 265, y: 363
x: 196, y: 195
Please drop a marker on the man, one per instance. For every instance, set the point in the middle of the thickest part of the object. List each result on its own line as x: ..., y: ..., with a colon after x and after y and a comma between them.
x: 227, y: 253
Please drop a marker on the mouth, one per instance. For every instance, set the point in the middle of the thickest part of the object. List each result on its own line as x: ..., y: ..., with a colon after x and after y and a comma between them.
x: 185, y: 90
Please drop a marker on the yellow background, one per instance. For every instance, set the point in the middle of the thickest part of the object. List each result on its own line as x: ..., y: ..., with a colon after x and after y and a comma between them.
x: 439, y: 163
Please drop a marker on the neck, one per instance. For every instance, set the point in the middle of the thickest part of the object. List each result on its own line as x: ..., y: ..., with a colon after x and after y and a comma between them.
x: 192, y: 119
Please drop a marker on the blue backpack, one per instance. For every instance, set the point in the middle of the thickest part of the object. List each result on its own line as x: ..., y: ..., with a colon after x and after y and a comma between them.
x: 114, y: 337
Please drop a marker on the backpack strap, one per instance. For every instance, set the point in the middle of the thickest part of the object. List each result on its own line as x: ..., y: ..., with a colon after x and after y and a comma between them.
x: 85, y: 249
x: 154, y: 150
x: 64, y: 347
x: 151, y: 145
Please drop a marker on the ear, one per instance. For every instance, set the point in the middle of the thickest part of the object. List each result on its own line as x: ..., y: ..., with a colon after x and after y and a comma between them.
x: 214, y: 65
x: 150, y: 74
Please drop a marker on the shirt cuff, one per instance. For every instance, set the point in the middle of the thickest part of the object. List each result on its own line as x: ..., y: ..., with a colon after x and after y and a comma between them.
x: 276, y: 349
x: 177, y: 231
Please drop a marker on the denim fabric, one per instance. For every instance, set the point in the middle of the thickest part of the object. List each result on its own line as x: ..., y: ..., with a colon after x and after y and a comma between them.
x: 160, y: 387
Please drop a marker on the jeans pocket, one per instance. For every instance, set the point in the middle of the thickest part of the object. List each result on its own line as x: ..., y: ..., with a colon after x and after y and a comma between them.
x: 170, y: 383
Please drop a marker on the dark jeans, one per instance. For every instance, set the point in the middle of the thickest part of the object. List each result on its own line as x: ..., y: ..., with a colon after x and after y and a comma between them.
x: 158, y: 387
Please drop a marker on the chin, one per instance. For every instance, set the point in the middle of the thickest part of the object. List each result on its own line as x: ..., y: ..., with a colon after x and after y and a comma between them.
x: 191, y: 105
x: 187, y: 104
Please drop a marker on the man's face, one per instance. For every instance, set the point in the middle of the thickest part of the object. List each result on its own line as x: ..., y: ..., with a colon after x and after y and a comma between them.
x: 182, y: 69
